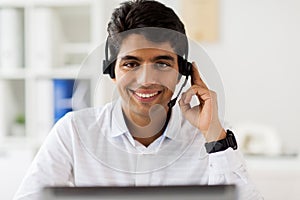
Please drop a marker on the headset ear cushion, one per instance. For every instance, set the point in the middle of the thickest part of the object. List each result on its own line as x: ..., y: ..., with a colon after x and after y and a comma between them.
x: 184, y: 66
x: 189, y: 68
x: 109, y: 68
x: 181, y: 65
x: 112, y: 69
x: 105, y: 67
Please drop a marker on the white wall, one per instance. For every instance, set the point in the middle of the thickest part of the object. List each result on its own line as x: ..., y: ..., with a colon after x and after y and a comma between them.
x: 257, y: 56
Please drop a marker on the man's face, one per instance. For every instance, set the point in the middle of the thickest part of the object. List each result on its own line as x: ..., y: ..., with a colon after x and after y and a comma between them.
x: 146, y: 74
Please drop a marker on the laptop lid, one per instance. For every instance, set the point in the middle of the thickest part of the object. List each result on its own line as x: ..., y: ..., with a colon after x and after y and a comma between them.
x: 213, y: 192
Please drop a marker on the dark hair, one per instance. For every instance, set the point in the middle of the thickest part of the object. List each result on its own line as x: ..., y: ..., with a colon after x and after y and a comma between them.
x: 143, y: 13
x: 136, y: 14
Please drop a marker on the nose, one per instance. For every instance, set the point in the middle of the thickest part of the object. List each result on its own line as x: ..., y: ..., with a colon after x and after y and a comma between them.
x: 147, y: 75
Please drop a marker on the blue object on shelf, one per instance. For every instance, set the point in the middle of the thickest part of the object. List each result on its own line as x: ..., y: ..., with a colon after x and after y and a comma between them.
x: 63, y: 92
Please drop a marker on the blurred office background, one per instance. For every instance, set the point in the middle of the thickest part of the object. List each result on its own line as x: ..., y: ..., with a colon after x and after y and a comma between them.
x: 253, y: 44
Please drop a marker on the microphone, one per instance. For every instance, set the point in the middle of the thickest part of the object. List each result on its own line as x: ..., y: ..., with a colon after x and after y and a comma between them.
x: 173, y: 101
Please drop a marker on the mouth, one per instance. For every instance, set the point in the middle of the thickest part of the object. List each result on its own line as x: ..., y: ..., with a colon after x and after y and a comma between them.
x: 145, y: 96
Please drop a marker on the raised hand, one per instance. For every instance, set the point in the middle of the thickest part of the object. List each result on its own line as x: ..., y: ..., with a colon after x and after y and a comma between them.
x: 204, y: 116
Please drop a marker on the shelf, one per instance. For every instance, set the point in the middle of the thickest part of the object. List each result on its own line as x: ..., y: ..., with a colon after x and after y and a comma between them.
x: 13, y: 74
x: 67, y: 72
x: 12, y: 22
x: 75, y: 53
x: 14, y: 3
x: 62, y: 36
x: 12, y: 106
x: 77, y: 48
x: 75, y: 18
x: 46, y: 3
x: 61, y: 3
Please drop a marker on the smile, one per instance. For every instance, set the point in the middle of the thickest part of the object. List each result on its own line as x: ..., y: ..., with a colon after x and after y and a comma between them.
x: 146, y: 96
x: 143, y: 95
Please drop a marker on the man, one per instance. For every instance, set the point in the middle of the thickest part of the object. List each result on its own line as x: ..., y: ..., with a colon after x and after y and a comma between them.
x: 143, y: 138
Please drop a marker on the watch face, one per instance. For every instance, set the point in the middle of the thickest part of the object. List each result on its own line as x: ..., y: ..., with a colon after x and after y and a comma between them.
x: 231, y: 141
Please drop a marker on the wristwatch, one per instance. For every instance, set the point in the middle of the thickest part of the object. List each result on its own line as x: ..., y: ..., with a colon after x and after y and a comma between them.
x: 221, y: 145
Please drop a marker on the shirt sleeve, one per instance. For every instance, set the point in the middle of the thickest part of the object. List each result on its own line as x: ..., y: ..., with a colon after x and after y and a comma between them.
x: 52, y: 165
x: 228, y: 167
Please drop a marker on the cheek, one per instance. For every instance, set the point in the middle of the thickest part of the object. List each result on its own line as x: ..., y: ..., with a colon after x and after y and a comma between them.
x: 169, y: 80
x: 124, y: 80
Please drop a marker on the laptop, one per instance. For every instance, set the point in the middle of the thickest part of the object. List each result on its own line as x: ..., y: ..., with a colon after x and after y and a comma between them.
x: 189, y: 192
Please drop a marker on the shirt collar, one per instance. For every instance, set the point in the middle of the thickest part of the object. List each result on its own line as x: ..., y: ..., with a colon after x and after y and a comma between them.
x: 119, y: 126
x: 118, y: 122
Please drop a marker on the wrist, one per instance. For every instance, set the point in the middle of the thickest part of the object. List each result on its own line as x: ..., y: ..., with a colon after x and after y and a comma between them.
x: 215, y: 133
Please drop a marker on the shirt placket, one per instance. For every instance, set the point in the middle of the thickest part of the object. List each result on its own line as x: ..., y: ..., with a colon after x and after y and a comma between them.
x: 144, y: 165
x: 143, y: 175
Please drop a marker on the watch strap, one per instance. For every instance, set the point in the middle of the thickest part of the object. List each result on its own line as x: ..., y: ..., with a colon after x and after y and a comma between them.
x: 221, y: 145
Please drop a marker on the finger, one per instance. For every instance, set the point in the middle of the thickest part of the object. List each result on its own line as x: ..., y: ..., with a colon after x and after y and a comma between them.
x: 196, y: 78
x: 184, y: 106
x: 203, y: 94
x: 187, y: 96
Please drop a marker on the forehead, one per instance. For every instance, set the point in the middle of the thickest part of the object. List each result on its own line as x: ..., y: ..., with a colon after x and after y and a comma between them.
x: 136, y: 42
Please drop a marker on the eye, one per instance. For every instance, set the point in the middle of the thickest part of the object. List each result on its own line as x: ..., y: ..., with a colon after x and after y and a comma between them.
x: 130, y: 65
x: 162, y: 65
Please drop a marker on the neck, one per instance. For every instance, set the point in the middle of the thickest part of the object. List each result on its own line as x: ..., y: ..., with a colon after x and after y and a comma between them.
x: 146, y: 129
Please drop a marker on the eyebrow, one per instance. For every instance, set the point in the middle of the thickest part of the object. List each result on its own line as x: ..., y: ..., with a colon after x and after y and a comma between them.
x: 161, y: 57
x: 128, y: 57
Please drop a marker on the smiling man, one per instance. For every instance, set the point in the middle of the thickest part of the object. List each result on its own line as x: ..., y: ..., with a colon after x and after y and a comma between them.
x: 145, y: 78
x: 144, y: 138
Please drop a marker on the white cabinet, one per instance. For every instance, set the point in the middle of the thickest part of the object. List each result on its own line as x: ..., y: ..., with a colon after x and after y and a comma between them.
x: 53, y: 38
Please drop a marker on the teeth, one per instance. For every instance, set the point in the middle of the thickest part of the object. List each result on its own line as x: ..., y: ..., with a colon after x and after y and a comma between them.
x: 146, y: 95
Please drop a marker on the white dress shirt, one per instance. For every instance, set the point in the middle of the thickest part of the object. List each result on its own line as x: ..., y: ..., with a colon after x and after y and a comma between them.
x: 93, y: 147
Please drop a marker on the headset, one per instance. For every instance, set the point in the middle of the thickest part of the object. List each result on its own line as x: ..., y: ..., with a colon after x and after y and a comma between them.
x: 185, y: 69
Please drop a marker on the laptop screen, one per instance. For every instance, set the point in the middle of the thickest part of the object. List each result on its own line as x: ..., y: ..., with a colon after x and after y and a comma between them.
x: 214, y: 192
